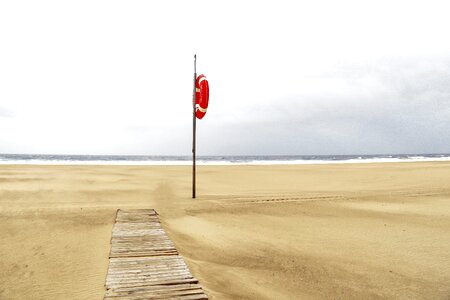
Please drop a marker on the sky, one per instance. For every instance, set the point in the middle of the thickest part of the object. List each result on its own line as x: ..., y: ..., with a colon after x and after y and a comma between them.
x: 285, y: 77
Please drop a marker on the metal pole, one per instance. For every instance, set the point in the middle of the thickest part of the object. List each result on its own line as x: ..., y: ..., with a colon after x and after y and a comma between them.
x: 194, y: 119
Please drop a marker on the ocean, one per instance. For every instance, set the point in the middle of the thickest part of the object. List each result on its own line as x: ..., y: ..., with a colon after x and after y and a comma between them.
x: 47, y: 159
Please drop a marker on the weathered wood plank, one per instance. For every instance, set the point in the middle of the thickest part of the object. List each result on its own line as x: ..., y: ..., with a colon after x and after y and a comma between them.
x: 157, y: 288
x: 162, y: 282
x: 150, y: 293
x: 155, y: 275
x: 144, y: 263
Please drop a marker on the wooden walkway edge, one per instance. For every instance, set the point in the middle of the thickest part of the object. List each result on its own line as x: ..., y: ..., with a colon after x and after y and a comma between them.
x: 143, y: 262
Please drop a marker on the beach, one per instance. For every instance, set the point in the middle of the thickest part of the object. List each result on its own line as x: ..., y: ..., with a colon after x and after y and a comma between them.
x: 339, y: 231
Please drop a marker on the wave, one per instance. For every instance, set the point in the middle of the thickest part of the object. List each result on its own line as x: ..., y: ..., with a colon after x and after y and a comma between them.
x: 39, y: 159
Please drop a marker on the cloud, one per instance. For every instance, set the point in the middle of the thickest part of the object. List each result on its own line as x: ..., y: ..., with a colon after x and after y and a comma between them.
x: 286, y: 77
x: 389, y: 106
x: 5, y: 113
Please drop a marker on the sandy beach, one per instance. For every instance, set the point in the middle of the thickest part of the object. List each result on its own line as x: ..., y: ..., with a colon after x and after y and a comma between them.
x: 338, y: 231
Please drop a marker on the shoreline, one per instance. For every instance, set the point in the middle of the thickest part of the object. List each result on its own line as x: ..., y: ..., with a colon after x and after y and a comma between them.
x: 222, y: 163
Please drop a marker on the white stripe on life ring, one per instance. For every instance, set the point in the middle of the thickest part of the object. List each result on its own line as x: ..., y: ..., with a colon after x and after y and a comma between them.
x: 201, y: 79
x: 197, y: 90
x: 203, y: 110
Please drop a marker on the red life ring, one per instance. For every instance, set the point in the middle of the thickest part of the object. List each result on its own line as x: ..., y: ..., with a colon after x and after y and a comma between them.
x: 201, y: 96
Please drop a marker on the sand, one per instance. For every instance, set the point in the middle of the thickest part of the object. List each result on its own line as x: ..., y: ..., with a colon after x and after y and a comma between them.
x: 343, y: 231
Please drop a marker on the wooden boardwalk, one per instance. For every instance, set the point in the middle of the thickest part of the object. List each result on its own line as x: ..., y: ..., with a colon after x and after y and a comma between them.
x: 143, y: 262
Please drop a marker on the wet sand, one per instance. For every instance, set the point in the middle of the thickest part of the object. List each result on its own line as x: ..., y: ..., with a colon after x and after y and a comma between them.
x: 342, y: 231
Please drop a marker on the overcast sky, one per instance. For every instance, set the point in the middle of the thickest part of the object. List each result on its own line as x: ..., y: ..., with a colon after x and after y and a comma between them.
x: 286, y: 77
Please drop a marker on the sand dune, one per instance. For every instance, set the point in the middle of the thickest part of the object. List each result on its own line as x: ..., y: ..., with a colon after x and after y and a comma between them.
x: 348, y: 231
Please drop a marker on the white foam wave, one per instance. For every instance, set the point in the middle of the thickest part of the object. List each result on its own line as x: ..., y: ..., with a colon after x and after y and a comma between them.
x: 358, y: 160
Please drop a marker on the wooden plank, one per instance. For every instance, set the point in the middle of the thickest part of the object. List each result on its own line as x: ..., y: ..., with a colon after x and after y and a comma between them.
x: 150, y: 293
x: 158, y: 287
x: 155, y: 275
x: 147, y: 279
x: 144, y: 263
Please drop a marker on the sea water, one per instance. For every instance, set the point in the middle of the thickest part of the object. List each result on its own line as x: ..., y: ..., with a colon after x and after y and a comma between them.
x: 47, y: 159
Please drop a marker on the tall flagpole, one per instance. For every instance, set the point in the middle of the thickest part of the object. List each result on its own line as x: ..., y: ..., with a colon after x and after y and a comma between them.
x: 194, y: 119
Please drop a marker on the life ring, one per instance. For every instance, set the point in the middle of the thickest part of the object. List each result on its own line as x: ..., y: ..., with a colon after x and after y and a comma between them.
x: 201, y: 96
